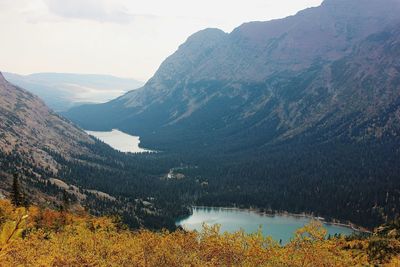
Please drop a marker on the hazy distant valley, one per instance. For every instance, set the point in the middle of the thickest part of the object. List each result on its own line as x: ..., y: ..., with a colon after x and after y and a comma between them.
x: 61, y: 91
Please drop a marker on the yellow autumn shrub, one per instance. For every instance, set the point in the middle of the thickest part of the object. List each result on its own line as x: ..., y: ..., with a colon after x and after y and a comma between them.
x: 36, y: 237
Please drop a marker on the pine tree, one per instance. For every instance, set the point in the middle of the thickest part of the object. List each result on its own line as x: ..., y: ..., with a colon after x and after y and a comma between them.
x: 65, y: 204
x: 16, y: 196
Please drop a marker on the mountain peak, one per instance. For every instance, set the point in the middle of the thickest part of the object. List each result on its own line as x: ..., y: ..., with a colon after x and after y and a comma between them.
x: 207, y: 33
x: 204, y: 38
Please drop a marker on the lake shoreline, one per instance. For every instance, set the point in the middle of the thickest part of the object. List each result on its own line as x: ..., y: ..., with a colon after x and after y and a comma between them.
x: 350, y: 225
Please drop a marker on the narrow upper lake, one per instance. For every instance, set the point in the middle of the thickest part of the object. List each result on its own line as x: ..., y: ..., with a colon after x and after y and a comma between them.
x: 120, y: 141
x: 279, y: 227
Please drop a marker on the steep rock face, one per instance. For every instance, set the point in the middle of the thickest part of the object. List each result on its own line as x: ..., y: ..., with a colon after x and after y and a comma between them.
x: 320, y: 73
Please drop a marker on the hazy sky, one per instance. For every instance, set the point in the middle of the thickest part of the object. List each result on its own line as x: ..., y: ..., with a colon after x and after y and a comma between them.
x: 128, y: 38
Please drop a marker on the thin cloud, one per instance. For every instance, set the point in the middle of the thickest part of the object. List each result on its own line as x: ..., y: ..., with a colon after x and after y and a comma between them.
x: 96, y: 10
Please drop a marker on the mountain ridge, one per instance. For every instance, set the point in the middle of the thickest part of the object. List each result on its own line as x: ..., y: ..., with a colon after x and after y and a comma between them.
x: 230, y: 70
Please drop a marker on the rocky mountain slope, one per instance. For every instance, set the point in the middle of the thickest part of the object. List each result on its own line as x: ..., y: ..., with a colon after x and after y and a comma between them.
x: 329, y: 71
x: 29, y: 128
x: 31, y: 136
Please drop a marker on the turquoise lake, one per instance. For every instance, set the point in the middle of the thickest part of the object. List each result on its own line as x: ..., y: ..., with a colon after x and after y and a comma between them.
x: 279, y: 227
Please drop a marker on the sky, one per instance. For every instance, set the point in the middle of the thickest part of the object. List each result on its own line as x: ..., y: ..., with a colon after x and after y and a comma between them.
x: 126, y: 38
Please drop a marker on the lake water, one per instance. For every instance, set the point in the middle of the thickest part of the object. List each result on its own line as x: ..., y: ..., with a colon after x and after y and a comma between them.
x: 120, y: 141
x: 279, y: 227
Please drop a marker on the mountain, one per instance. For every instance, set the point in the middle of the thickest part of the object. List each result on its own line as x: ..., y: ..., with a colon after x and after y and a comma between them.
x: 266, y: 82
x: 55, y: 160
x: 31, y: 129
x: 30, y: 132
x: 61, y: 91
x: 299, y: 114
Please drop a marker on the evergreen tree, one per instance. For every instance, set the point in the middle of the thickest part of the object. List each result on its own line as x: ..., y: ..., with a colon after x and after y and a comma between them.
x: 16, y: 195
x: 65, y: 204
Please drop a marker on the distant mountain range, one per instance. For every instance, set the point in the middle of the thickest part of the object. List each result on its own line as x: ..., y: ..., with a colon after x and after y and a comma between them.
x: 61, y: 91
x: 327, y: 72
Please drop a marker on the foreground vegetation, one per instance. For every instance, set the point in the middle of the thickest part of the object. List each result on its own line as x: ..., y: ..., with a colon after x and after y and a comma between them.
x: 41, y: 237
